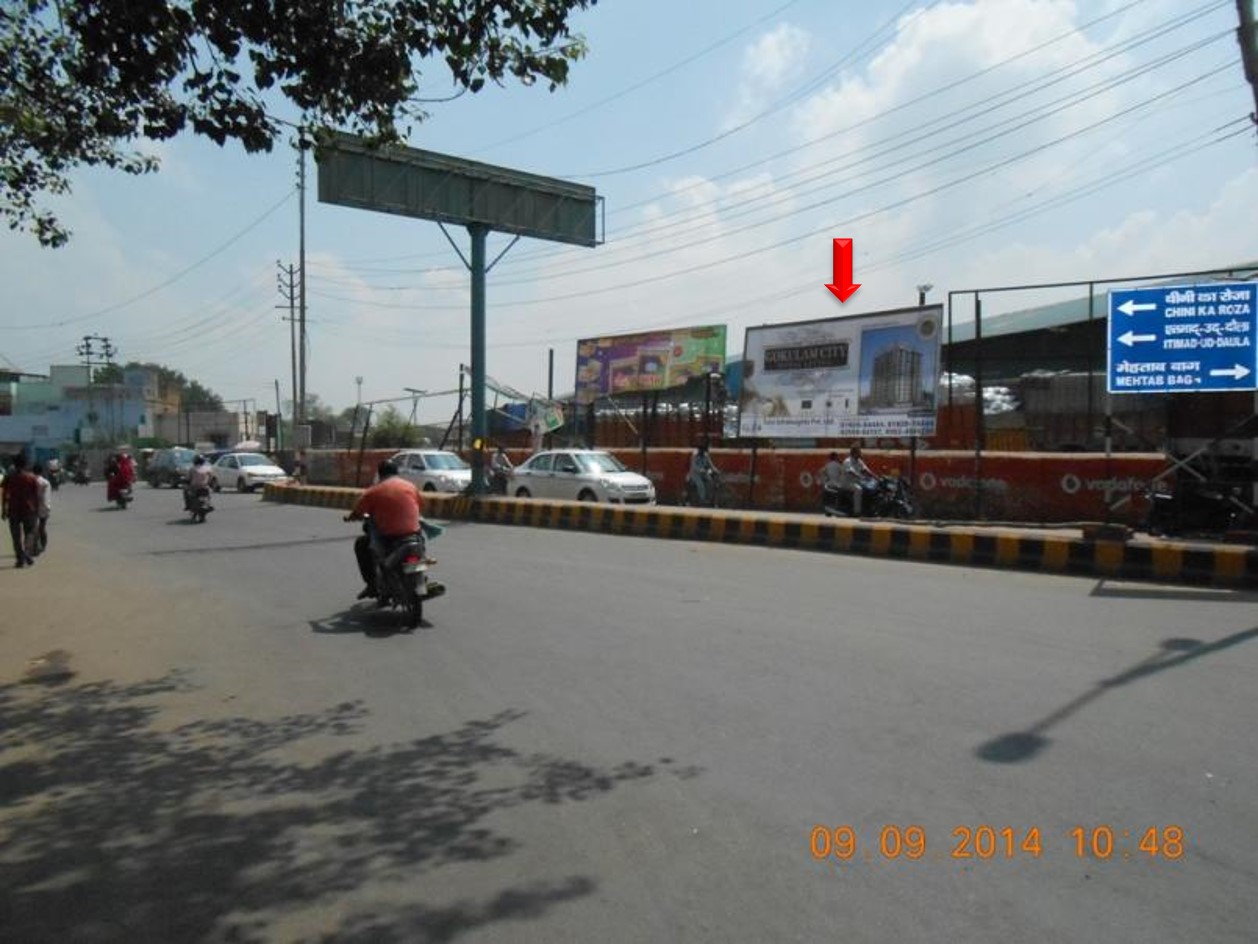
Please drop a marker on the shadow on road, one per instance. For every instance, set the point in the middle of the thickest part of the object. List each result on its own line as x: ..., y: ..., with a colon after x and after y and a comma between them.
x: 368, y: 619
x: 1024, y: 745
x: 119, y: 827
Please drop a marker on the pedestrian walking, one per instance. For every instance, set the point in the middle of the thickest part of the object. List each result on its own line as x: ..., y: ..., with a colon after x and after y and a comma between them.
x: 45, y: 510
x: 19, y: 503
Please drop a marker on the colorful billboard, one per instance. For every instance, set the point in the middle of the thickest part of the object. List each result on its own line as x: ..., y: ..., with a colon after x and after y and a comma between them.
x: 654, y: 360
x: 870, y: 375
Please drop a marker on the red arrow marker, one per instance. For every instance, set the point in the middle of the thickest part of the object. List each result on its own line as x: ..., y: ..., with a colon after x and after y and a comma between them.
x: 843, y: 286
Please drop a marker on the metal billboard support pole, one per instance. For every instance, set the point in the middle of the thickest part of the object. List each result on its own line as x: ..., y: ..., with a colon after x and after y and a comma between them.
x: 980, y: 429
x: 478, y: 233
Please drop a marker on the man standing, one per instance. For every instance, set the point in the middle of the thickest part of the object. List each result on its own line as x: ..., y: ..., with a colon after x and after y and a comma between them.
x: 19, y: 503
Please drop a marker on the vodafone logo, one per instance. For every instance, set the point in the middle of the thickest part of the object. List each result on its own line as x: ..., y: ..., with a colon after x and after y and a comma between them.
x: 1071, y: 483
x: 926, y: 481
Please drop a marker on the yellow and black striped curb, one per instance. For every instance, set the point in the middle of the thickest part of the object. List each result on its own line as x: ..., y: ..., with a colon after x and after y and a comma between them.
x: 1164, y: 561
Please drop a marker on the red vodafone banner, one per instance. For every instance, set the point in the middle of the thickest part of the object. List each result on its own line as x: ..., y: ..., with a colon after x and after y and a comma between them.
x: 1017, y: 486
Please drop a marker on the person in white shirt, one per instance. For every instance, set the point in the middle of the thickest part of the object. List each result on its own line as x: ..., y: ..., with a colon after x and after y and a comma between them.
x: 198, y: 479
x: 855, y: 475
x: 39, y: 539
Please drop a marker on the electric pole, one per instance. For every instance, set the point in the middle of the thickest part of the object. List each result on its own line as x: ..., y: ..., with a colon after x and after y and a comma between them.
x: 91, y: 357
x: 300, y: 412
x: 288, y: 291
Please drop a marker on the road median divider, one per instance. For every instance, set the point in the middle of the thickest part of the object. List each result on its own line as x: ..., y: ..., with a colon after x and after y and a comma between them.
x: 1163, y: 561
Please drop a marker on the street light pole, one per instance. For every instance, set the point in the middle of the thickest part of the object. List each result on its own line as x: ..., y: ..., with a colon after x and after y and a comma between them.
x: 921, y: 294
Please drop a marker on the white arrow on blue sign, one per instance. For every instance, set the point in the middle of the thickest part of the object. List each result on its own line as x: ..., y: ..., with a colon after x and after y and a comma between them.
x: 1183, y: 338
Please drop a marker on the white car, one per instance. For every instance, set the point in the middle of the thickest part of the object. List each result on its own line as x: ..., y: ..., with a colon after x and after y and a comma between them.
x: 245, y: 471
x: 434, y: 470
x: 580, y: 475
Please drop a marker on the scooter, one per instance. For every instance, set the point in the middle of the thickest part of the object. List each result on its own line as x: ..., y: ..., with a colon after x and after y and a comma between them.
x: 123, y: 497
x: 197, y: 503
x: 402, y: 566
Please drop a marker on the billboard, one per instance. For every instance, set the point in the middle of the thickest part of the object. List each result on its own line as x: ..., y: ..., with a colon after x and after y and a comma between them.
x: 654, y: 360
x: 874, y: 375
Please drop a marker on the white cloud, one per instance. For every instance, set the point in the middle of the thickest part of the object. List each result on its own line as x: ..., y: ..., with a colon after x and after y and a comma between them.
x: 768, y: 65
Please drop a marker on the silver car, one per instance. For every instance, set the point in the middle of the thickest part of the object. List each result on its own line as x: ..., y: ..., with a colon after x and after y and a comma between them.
x: 434, y: 470
x: 580, y: 475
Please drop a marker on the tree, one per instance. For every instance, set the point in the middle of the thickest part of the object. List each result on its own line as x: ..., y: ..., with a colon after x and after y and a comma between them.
x: 82, y: 80
x: 192, y: 395
x: 390, y: 429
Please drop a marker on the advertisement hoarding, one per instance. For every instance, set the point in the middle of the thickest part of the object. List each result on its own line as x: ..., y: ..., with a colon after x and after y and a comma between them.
x: 874, y: 375
x: 653, y: 360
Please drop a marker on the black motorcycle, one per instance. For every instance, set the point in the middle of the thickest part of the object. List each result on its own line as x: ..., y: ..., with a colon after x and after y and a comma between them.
x: 1195, y: 507
x: 402, y: 580
x: 882, y: 496
x: 197, y: 503
x: 82, y: 476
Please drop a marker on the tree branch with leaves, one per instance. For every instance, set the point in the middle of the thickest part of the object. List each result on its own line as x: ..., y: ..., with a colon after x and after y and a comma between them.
x: 82, y: 81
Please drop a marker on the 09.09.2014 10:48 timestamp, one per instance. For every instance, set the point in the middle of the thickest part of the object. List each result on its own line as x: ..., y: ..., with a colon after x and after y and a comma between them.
x: 1101, y: 842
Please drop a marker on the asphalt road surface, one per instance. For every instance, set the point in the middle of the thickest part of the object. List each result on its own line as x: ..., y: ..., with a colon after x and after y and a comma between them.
x: 608, y: 739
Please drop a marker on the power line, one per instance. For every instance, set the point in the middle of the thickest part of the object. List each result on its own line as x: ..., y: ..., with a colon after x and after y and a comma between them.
x: 161, y: 285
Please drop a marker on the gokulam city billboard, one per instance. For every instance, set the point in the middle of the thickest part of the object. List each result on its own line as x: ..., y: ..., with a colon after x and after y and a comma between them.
x: 874, y: 375
x: 654, y: 360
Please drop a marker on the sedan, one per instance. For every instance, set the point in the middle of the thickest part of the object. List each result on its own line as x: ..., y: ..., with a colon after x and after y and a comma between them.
x: 245, y: 471
x: 580, y: 475
x: 434, y: 470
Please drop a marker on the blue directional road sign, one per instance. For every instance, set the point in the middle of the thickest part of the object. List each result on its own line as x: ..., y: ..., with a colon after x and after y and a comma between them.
x: 1181, y: 338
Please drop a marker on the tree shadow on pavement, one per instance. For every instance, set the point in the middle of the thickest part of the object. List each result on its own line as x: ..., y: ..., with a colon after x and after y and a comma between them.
x: 120, y: 828
x: 1024, y: 745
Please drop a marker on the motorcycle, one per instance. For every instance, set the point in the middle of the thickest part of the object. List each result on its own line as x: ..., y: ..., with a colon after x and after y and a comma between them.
x: 55, y: 475
x: 1196, y: 507
x: 498, y: 481
x: 123, y: 497
x: 883, y: 496
x: 402, y: 566
x: 197, y: 503
x: 82, y: 476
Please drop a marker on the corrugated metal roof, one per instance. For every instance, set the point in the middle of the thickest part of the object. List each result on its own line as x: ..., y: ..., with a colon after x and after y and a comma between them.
x: 1075, y: 310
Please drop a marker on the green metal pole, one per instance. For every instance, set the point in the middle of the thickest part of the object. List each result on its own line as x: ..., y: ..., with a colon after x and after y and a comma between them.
x: 478, y: 233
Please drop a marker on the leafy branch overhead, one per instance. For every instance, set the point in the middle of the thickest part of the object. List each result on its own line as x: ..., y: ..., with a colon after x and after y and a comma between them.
x: 82, y: 81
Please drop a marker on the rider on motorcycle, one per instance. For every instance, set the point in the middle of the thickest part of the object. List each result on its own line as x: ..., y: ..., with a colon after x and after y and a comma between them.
x: 500, y: 470
x: 702, y: 471
x: 198, y: 481
x: 120, y: 475
x: 856, y: 477
x: 393, y: 506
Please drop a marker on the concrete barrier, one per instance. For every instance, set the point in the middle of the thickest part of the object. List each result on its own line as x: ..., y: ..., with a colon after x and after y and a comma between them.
x: 1162, y: 561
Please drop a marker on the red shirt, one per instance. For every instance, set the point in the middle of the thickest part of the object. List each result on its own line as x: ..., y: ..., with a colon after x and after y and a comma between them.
x: 21, y: 495
x: 394, y: 506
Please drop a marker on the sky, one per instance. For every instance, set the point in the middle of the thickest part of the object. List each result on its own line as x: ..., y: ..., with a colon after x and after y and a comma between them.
x: 960, y: 144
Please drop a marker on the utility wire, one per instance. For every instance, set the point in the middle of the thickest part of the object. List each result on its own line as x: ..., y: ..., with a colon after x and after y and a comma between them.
x: 161, y: 285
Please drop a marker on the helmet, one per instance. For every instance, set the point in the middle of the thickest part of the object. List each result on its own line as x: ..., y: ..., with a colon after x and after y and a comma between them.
x: 386, y: 468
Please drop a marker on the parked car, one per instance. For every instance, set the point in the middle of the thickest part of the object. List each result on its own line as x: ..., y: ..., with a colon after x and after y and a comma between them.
x: 170, y: 467
x: 245, y: 471
x: 434, y: 470
x: 580, y: 475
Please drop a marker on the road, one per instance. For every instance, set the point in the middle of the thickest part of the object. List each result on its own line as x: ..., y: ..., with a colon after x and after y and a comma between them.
x: 609, y: 739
